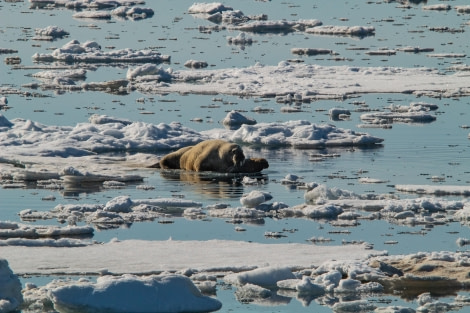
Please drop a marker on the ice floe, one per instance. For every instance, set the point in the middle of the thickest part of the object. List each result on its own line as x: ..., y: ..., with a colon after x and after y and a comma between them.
x: 209, y: 8
x: 437, y: 7
x: 90, y: 52
x: 310, y: 51
x: 241, y: 39
x: 147, y: 257
x: 54, y: 74
x: 332, y: 205
x: 93, y: 15
x: 10, y: 289
x: 29, y: 141
x: 435, y: 190
x: 462, y: 8
x: 16, y: 230
x: 235, y: 119
x: 282, y: 26
x: 82, y: 4
x: 414, y: 113
x: 360, y: 31
x: 265, y: 277
x: 168, y: 293
x: 116, y: 212
x: 134, y: 13
x: 247, y: 262
x: 297, y: 134
x: 309, y: 81
x: 50, y: 33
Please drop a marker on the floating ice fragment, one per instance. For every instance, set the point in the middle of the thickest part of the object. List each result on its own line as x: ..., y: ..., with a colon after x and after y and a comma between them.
x: 249, y: 180
x: 209, y: 8
x: 135, y: 13
x: 195, y: 64
x: 90, y: 52
x: 50, y: 33
x: 369, y: 180
x: 381, y: 52
x: 240, y: 39
x: 394, y: 309
x: 120, y: 204
x: 447, y: 55
x: 436, y: 190
x: 462, y: 241
x: 7, y: 50
x: 415, y: 49
x: 234, y: 119
x: 437, y: 7
x: 359, y: 31
x: 254, y: 198
x: 462, y: 8
x: 353, y: 306
x: 335, y: 113
x: 10, y: 289
x: 313, y: 211
x: 52, y: 74
x: 155, y: 72
x: 348, y: 285
x: 329, y: 280
x: 127, y: 293
x: 265, y: 277
x: 310, y: 51
x: 304, y: 286
x: 93, y: 15
x: 298, y: 134
x: 281, y: 26
x: 236, y: 213
x: 320, y: 193
x: 4, y: 122
x: 249, y: 292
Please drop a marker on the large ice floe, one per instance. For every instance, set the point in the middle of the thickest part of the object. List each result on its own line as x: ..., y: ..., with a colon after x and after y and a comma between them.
x: 305, y: 82
x: 154, y: 289
x: 353, y: 275
x: 29, y: 141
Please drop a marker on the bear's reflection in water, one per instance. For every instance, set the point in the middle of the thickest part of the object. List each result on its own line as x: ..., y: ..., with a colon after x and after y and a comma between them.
x: 216, y: 185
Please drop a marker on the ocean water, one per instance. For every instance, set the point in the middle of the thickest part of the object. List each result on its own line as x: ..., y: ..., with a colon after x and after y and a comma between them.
x: 412, y: 153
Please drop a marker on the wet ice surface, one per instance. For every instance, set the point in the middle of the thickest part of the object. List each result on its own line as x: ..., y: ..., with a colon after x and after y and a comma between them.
x: 76, y: 84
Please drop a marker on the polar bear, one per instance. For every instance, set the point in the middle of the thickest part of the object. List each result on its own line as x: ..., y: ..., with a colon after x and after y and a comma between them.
x: 211, y: 155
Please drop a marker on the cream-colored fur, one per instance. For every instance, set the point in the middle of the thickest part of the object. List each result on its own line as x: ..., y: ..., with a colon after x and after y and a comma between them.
x: 172, y: 160
x: 210, y: 155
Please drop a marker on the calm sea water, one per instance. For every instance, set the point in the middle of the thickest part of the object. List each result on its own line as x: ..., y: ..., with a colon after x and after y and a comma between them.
x: 411, y: 153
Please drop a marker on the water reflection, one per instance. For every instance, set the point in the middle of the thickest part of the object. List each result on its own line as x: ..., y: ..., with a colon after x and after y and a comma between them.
x: 218, y: 185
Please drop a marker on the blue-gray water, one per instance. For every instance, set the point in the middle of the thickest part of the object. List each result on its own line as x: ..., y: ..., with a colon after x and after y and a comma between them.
x: 411, y: 153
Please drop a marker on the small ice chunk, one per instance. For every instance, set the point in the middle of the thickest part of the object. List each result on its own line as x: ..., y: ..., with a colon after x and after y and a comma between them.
x: 209, y: 8
x: 234, y: 118
x: 254, y: 198
x: 265, y: 277
x: 120, y: 204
